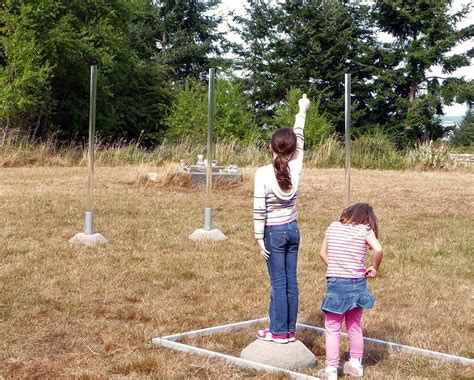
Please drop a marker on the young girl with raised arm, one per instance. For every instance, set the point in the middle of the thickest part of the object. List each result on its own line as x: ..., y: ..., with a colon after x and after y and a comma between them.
x: 276, y: 228
x: 343, y: 250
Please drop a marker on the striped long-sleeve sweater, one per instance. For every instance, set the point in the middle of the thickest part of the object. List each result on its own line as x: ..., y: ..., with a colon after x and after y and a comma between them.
x: 271, y: 205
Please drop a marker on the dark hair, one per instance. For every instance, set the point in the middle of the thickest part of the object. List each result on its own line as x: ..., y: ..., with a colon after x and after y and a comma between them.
x: 284, y: 145
x: 361, y: 213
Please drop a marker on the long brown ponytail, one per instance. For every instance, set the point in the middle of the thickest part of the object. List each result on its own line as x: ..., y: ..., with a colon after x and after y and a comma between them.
x: 284, y: 146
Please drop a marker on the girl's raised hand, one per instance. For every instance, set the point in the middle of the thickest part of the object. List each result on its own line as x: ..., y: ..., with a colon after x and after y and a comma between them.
x: 264, y: 252
x: 370, y: 272
x: 304, y: 103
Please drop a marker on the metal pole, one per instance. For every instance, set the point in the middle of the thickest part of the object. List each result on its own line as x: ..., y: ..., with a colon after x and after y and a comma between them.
x: 347, y: 120
x: 89, y: 230
x: 210, y: 120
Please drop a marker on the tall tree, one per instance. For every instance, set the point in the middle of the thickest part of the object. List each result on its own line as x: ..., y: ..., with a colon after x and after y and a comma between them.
x: 24, y: 77
x: 309, y: 45
x: 2, y: 51
x: 188, y: 39
x: 254, y: 56
x: 424, y: 33
x: 464, y: 134
x: 458, y: 90
x: 49, y: 46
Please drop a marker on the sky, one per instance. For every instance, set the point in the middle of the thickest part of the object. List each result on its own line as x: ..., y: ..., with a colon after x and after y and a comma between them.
x: 238, y: 7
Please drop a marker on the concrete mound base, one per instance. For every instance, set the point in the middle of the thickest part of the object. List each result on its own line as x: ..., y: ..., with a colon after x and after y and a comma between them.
x: 294, y: 355
x: 88, y: 240
x: 212, y: 235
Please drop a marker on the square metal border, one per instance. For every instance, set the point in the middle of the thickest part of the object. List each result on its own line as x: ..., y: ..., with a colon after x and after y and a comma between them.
x: 171, y: 341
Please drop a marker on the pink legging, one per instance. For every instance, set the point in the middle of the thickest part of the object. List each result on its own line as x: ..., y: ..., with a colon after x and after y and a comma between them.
x: 333, y: 324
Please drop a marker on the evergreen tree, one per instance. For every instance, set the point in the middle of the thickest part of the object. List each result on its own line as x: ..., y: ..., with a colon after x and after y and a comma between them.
x: 255, y: 57
x: 310, y: 45
x: 464, y: 135
x: 188, y: 37
x: 425, y: 32
x: 2, y: 51
x: 421, y: 122
x: 459, y: 91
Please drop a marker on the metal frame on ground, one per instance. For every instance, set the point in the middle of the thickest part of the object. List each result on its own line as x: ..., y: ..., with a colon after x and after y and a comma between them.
x: 170, y: 341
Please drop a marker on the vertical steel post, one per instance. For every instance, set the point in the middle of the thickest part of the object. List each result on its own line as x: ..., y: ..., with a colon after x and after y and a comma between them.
x: 210, y: 130
x: 347, y: 121
x: 89, y: 229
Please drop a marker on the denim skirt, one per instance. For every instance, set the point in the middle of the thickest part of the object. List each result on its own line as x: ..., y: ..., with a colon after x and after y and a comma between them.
x: 344, y: 294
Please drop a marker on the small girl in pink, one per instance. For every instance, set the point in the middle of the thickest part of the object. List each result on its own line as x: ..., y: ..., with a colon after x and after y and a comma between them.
x: 343, y: 250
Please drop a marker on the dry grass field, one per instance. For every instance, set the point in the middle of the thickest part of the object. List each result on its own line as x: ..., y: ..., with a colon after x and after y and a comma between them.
x: 91, y: 313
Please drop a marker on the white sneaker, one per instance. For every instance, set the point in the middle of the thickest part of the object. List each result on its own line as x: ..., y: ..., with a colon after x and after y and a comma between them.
x: 353, y: 367
x: 328, y: 373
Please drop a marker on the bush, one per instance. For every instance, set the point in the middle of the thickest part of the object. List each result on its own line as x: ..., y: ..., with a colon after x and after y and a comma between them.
x: 328, y: 154
x: 317, y: 128
x: 429, y: 155
x: 368, y: 151
x: 232, y: 121
x: 377, y: 152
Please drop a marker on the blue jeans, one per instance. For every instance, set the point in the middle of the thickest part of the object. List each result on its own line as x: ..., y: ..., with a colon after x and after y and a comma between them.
x: 283, y: 242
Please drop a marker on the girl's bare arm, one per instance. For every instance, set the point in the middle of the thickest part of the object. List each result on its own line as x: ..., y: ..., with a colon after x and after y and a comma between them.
x: 323, y: 252
x: 373, y: 242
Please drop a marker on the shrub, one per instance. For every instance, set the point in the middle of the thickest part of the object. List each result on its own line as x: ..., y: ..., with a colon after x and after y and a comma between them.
x: 429, y: 155
x: 377, y: 152
x: 317, y: 128
x: 232, y: 120
x: 328, y: 154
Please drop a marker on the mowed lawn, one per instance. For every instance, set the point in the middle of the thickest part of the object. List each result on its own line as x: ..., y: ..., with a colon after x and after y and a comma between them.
x: 89, y: 313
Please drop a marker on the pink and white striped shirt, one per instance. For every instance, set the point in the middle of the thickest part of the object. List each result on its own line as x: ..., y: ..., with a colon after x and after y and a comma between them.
x: 347, y: 248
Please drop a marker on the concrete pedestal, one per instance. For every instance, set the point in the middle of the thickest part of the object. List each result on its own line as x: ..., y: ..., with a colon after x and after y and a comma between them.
x: 293, y: 355
x: 88, y: 240
x: 203, y: 235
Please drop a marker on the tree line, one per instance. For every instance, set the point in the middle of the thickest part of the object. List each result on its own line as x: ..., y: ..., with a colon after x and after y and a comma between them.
x: 153, y: 58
